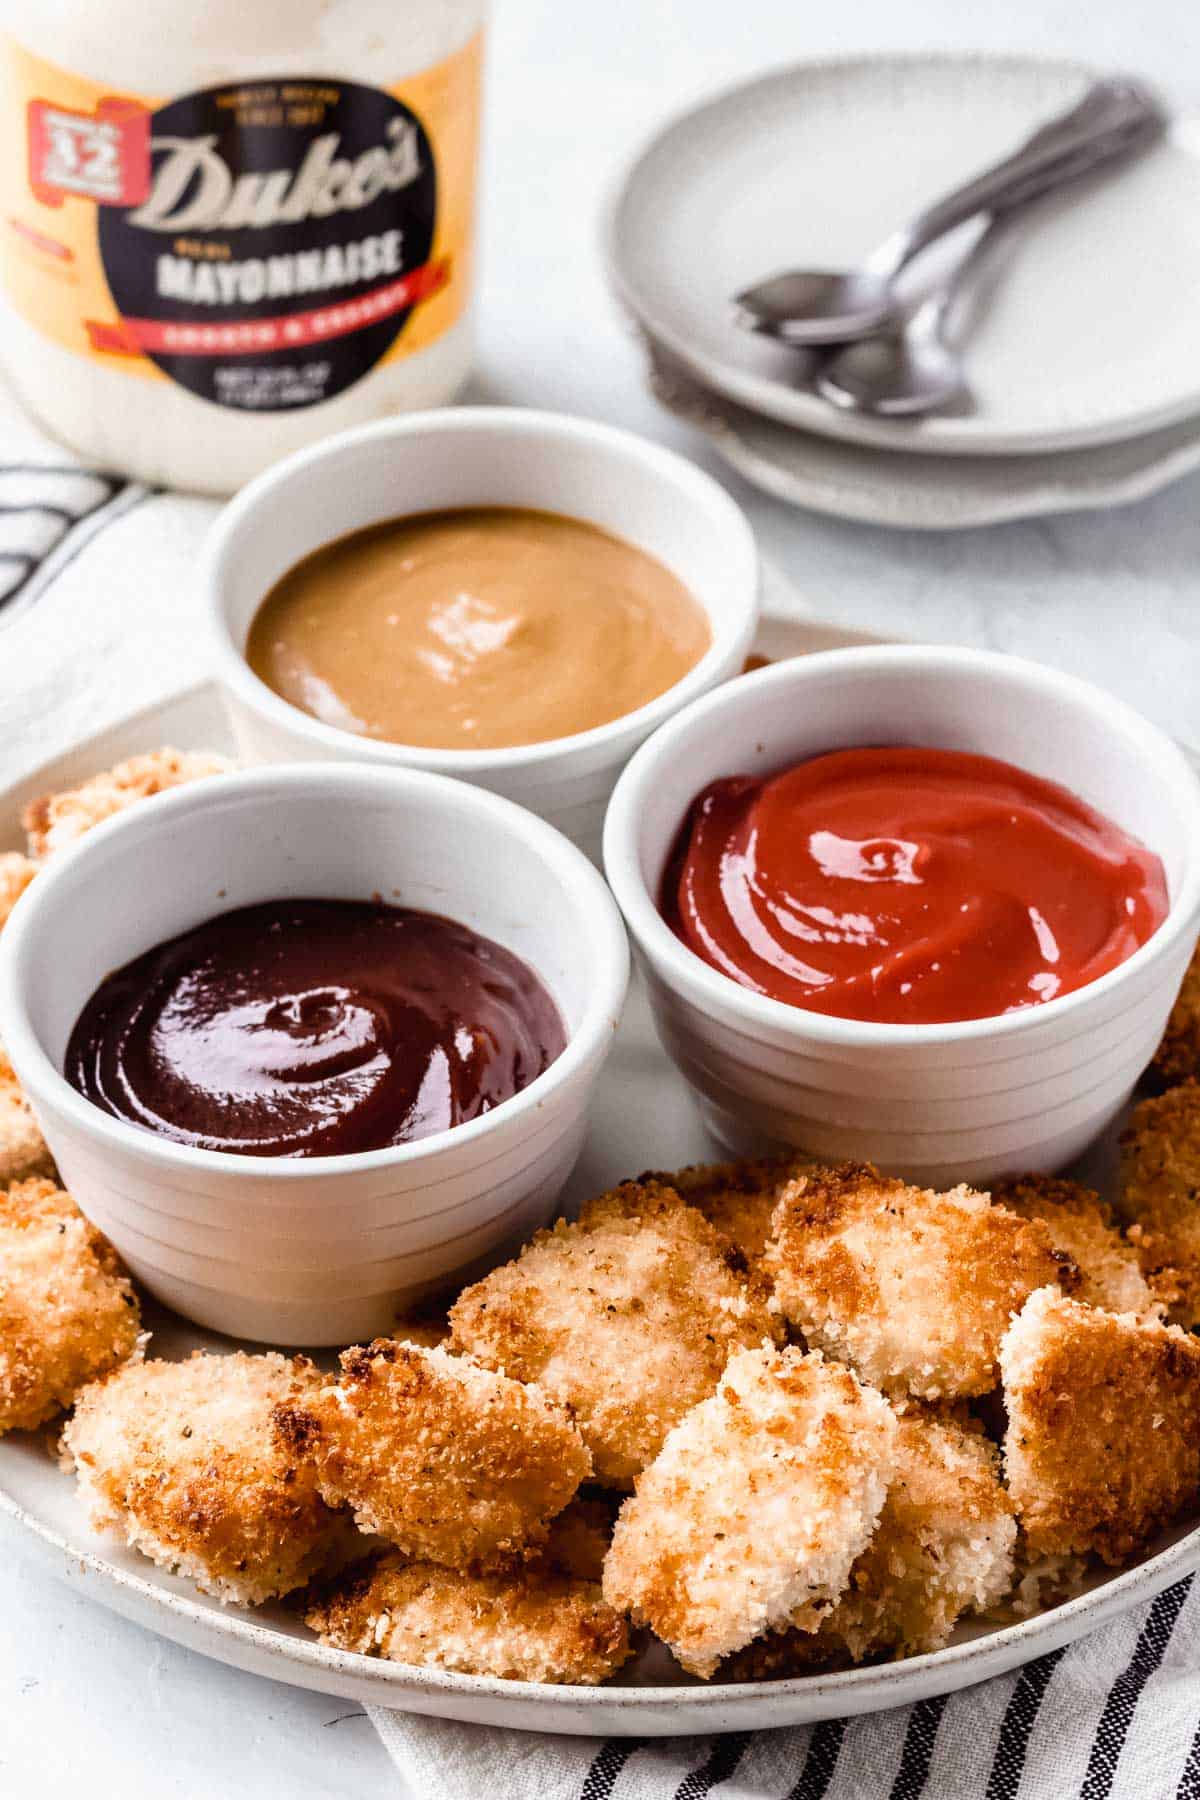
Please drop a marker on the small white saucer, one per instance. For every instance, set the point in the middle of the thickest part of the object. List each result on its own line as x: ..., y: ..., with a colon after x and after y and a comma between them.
x: 1089, y: 332
x: 921, y: 492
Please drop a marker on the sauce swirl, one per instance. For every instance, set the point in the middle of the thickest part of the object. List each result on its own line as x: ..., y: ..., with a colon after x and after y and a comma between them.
x: 908, y: 886
x: 313, y: 1028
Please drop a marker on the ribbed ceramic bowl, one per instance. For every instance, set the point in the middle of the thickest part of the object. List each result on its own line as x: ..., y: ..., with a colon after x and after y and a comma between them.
x: 967, y: 1101
x: 482, y: 456
x: 314, y: 1250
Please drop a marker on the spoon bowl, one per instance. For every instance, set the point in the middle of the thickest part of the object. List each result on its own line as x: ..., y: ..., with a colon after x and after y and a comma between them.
x: 896, y: 377
x: 817, y: 306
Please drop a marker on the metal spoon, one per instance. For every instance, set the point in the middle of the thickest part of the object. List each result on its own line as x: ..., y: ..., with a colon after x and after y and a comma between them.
x: 915, y: 369
x: 827, y: 307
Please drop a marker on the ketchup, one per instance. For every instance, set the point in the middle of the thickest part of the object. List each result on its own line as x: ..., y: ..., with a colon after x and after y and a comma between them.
x: 908, y: 886
x: 313, y: 1028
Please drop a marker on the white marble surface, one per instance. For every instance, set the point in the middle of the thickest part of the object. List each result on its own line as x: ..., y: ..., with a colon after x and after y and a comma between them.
x: 85, y: 1697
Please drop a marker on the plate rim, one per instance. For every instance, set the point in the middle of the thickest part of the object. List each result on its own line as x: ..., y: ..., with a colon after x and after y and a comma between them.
x: 950, y: 437
x: 241, y: 1638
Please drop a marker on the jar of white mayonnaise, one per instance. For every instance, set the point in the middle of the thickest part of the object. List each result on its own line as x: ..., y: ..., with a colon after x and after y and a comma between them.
x: 230, y: 227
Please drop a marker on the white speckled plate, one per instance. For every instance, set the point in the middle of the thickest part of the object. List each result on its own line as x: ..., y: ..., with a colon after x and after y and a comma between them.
x: 921, y: 492
x: 643, y: 1118
x: 1089, y: 332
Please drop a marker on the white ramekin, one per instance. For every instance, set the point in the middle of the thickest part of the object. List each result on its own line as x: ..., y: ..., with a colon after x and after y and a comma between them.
x: 482, y: 456
x: 941, y: 1103
x: 316, y: 1250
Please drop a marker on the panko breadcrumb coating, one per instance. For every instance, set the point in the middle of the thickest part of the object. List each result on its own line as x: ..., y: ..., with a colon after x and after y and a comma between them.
x: 445, y: 1459
x: 528, y: 1623
x: 1178, y: 1056
x: 737, y: 1197
x: 756, y: 1508
x: 538, y: 1619
x: 914, y: 1288
x: 1160, y: 1196
x: 67, y: 1313
x: 16, y: 873
x: 23, y: 1149
x: 1083, y: 1229
x: 1103, y: 1441
x: 181, y: 1458
x: 628, y: 1318
x: 58, y: 820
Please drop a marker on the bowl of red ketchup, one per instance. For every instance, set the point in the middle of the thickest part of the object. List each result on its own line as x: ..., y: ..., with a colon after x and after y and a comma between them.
x: 920, y: 906
x: 311, y: 1042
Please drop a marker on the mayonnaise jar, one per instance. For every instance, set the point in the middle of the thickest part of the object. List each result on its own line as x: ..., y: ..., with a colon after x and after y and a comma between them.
x: 230, y: 227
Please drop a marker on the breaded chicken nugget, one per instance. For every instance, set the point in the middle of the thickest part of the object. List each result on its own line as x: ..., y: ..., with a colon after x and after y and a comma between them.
x: 1083, y: 1229
x: 628, y: 1318
x: 443, y: 1458
x: 1103, y: 1441
x: 943, y: 1547
x: 528, y: 1623
x: 57, y: 820
x: 23, y: 1149
x: 756, y: 1507
x: 181, y: 1458
x: 737, y: 1197
x: 16, y: 873
x: 67, y: 1313
x: 1178, y: 1056
x: 1160, y: 1196
x: 914, y: 1288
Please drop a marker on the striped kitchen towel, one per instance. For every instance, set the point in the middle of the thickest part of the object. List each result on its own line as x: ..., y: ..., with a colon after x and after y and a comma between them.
x: 1115, y: 1714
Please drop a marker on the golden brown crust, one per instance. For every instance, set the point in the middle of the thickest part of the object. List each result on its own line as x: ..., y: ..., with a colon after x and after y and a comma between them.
x: 67, y: 1313
x: 16, y: 873
x: 914, y: 1288
x: 628, y: 1318
x: 181, y: 1458
x: 54, y: 821
x: 531, y: 1623
x: 1178, y: 1056
x: 1103, y: 1441
x: 756, y: 1508
x: 445, y: 1459
x: 738, y: 1198
x: 23, y: 1150
x: 1083, y: 1228
x: 1160, y: 1196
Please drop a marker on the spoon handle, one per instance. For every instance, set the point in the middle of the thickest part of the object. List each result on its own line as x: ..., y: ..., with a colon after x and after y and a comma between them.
x: 1115, y: 116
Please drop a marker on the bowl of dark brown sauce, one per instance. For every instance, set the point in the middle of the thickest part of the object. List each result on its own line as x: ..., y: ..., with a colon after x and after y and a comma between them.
x: 326, y: 1042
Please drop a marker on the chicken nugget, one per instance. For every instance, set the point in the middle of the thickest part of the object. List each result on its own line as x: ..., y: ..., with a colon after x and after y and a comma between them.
x: 1160, y: 1196
x: 628, y: 1318
x: 57, y: 820
x: 914, y: 1288
x: 67, y: 1313
x: 1178, y: 1056
x: 756, y: 1507
x: 1103, y: 1440
x: 16, y: 873
x: 1083, y: 1229
x: 528, y: 1623
x: 23, y: 1149
x: 737, y: 1197
x: 447, y: 1460
x: 181, y: 1458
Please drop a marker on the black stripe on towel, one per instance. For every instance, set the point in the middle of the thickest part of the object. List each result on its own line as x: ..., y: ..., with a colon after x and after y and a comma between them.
x: 1016, y: 1727
x: 607, y: 1764
x: 917, y: 1753
x: 1189, y: 1781
x: 723, y: 1759
x: 1126, y: 1690
x: 71, y: 523
x: 824, y: 1747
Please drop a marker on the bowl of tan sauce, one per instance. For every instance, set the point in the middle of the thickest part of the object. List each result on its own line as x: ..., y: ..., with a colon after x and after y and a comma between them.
x: 514, y: 598
x: 476, y: 628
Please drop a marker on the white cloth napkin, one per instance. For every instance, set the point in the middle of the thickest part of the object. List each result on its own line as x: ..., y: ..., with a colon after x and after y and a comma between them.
x: 99, y: 615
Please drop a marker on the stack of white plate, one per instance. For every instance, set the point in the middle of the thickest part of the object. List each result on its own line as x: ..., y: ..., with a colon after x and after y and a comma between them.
x: 1084, y: 363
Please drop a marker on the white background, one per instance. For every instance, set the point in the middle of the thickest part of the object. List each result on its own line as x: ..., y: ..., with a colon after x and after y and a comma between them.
x: 88, y: 1702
